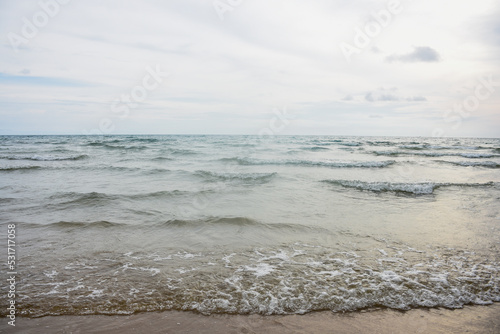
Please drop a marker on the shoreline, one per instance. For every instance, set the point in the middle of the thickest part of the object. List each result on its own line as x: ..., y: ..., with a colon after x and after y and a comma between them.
x: 471, y: 319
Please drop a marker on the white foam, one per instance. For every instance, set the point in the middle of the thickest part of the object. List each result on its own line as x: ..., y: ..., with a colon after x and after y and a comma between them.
x: 300, y: 279
x: 491, y: 164
x: 187, y: 255
x: 129, y: 254
x: 297, y: 253
x: 389, y: 275
x: 477, y: 155
x: 159, y: 258
x: 55, y: 288
x: 154, y: 271
x: 52, y: 274
x: 96, y: 293
x: 314, y: 263
x: 350, y: 254
x: 281, y: 255
x: 416, y: 146
x: 261, y: 269
x: 414, y: 188
x: 183, y: 270
x: 227, y: 258
x: 78, y: 287
x: 441, y: 278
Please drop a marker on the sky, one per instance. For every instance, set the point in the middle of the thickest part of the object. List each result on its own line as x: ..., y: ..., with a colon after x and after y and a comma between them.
x: 281, y: 67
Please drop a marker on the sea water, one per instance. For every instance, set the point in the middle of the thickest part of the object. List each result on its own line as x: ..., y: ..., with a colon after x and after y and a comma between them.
x: 244, y: 224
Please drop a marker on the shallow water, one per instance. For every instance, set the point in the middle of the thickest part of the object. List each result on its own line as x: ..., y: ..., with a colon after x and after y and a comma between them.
x: 238, y: 224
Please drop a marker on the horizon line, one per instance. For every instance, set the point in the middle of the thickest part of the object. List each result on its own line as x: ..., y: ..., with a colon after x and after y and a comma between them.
x: 254, y: 135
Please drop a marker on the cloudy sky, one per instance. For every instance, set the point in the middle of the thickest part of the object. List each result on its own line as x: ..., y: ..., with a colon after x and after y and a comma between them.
x: 417, y: 68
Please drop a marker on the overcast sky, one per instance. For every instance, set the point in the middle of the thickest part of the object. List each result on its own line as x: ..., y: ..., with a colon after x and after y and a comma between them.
x: 338, y: 67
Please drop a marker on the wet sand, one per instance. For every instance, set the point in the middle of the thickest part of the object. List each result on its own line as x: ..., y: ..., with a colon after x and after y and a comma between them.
x: 470, y: 319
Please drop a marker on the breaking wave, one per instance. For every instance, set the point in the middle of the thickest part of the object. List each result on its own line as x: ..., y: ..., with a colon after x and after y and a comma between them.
x: 19, y: 168
x: 331, y: 164
x: 422, y: 188
x: 435, y: 154
x: 44, y: 158
x: 244, y: 177
x: 315, y: 148
x: 486, y: 164
x: 289, y: 279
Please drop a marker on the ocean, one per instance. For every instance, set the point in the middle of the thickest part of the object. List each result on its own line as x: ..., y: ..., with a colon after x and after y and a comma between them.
x: 244, y: 225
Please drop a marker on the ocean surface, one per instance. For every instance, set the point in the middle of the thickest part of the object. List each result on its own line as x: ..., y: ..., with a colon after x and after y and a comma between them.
x: 242, y: 224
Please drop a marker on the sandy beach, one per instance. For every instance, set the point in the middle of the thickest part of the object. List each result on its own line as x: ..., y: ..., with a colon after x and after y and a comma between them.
x: 470, y: 319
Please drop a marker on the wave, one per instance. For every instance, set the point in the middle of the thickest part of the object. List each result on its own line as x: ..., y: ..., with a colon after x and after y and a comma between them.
x: 96, y: 198
x: 391, y: 153
x: 113, y: 168
x: 440, y: 147
x: 124, y: 141
x: 183, y: 152
x: 155, y: 171
x: 126, y: 147
x: 162, y: 159
x: 237, y: 221
x: 19, y: 168
x: 380, y: 143
x: 486, y: 164
x: 435, y: 154
x: 331, y: 164
x: 478, y: 155
x: 315, y: 148
x: 209, y: 222
x: 88, y: 199
x: 44, y: 158
x: 350, y: 144
x: 421, y: 188
x: 240, y: 222
x: 144, y: 140
x: 326, y: 142
x: 158, y: 194
x: 77, y: 224
x: 293, y: 152
x: 85, y: 168
x: 245, y: 177
x: 61, y: 150
x: 457, y: 147
x: 4, y: 200
x: 414, y: 147
x: 289, y: 279
x: 95, y: 144
x: 117, y: 144
x: 244, y: 144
